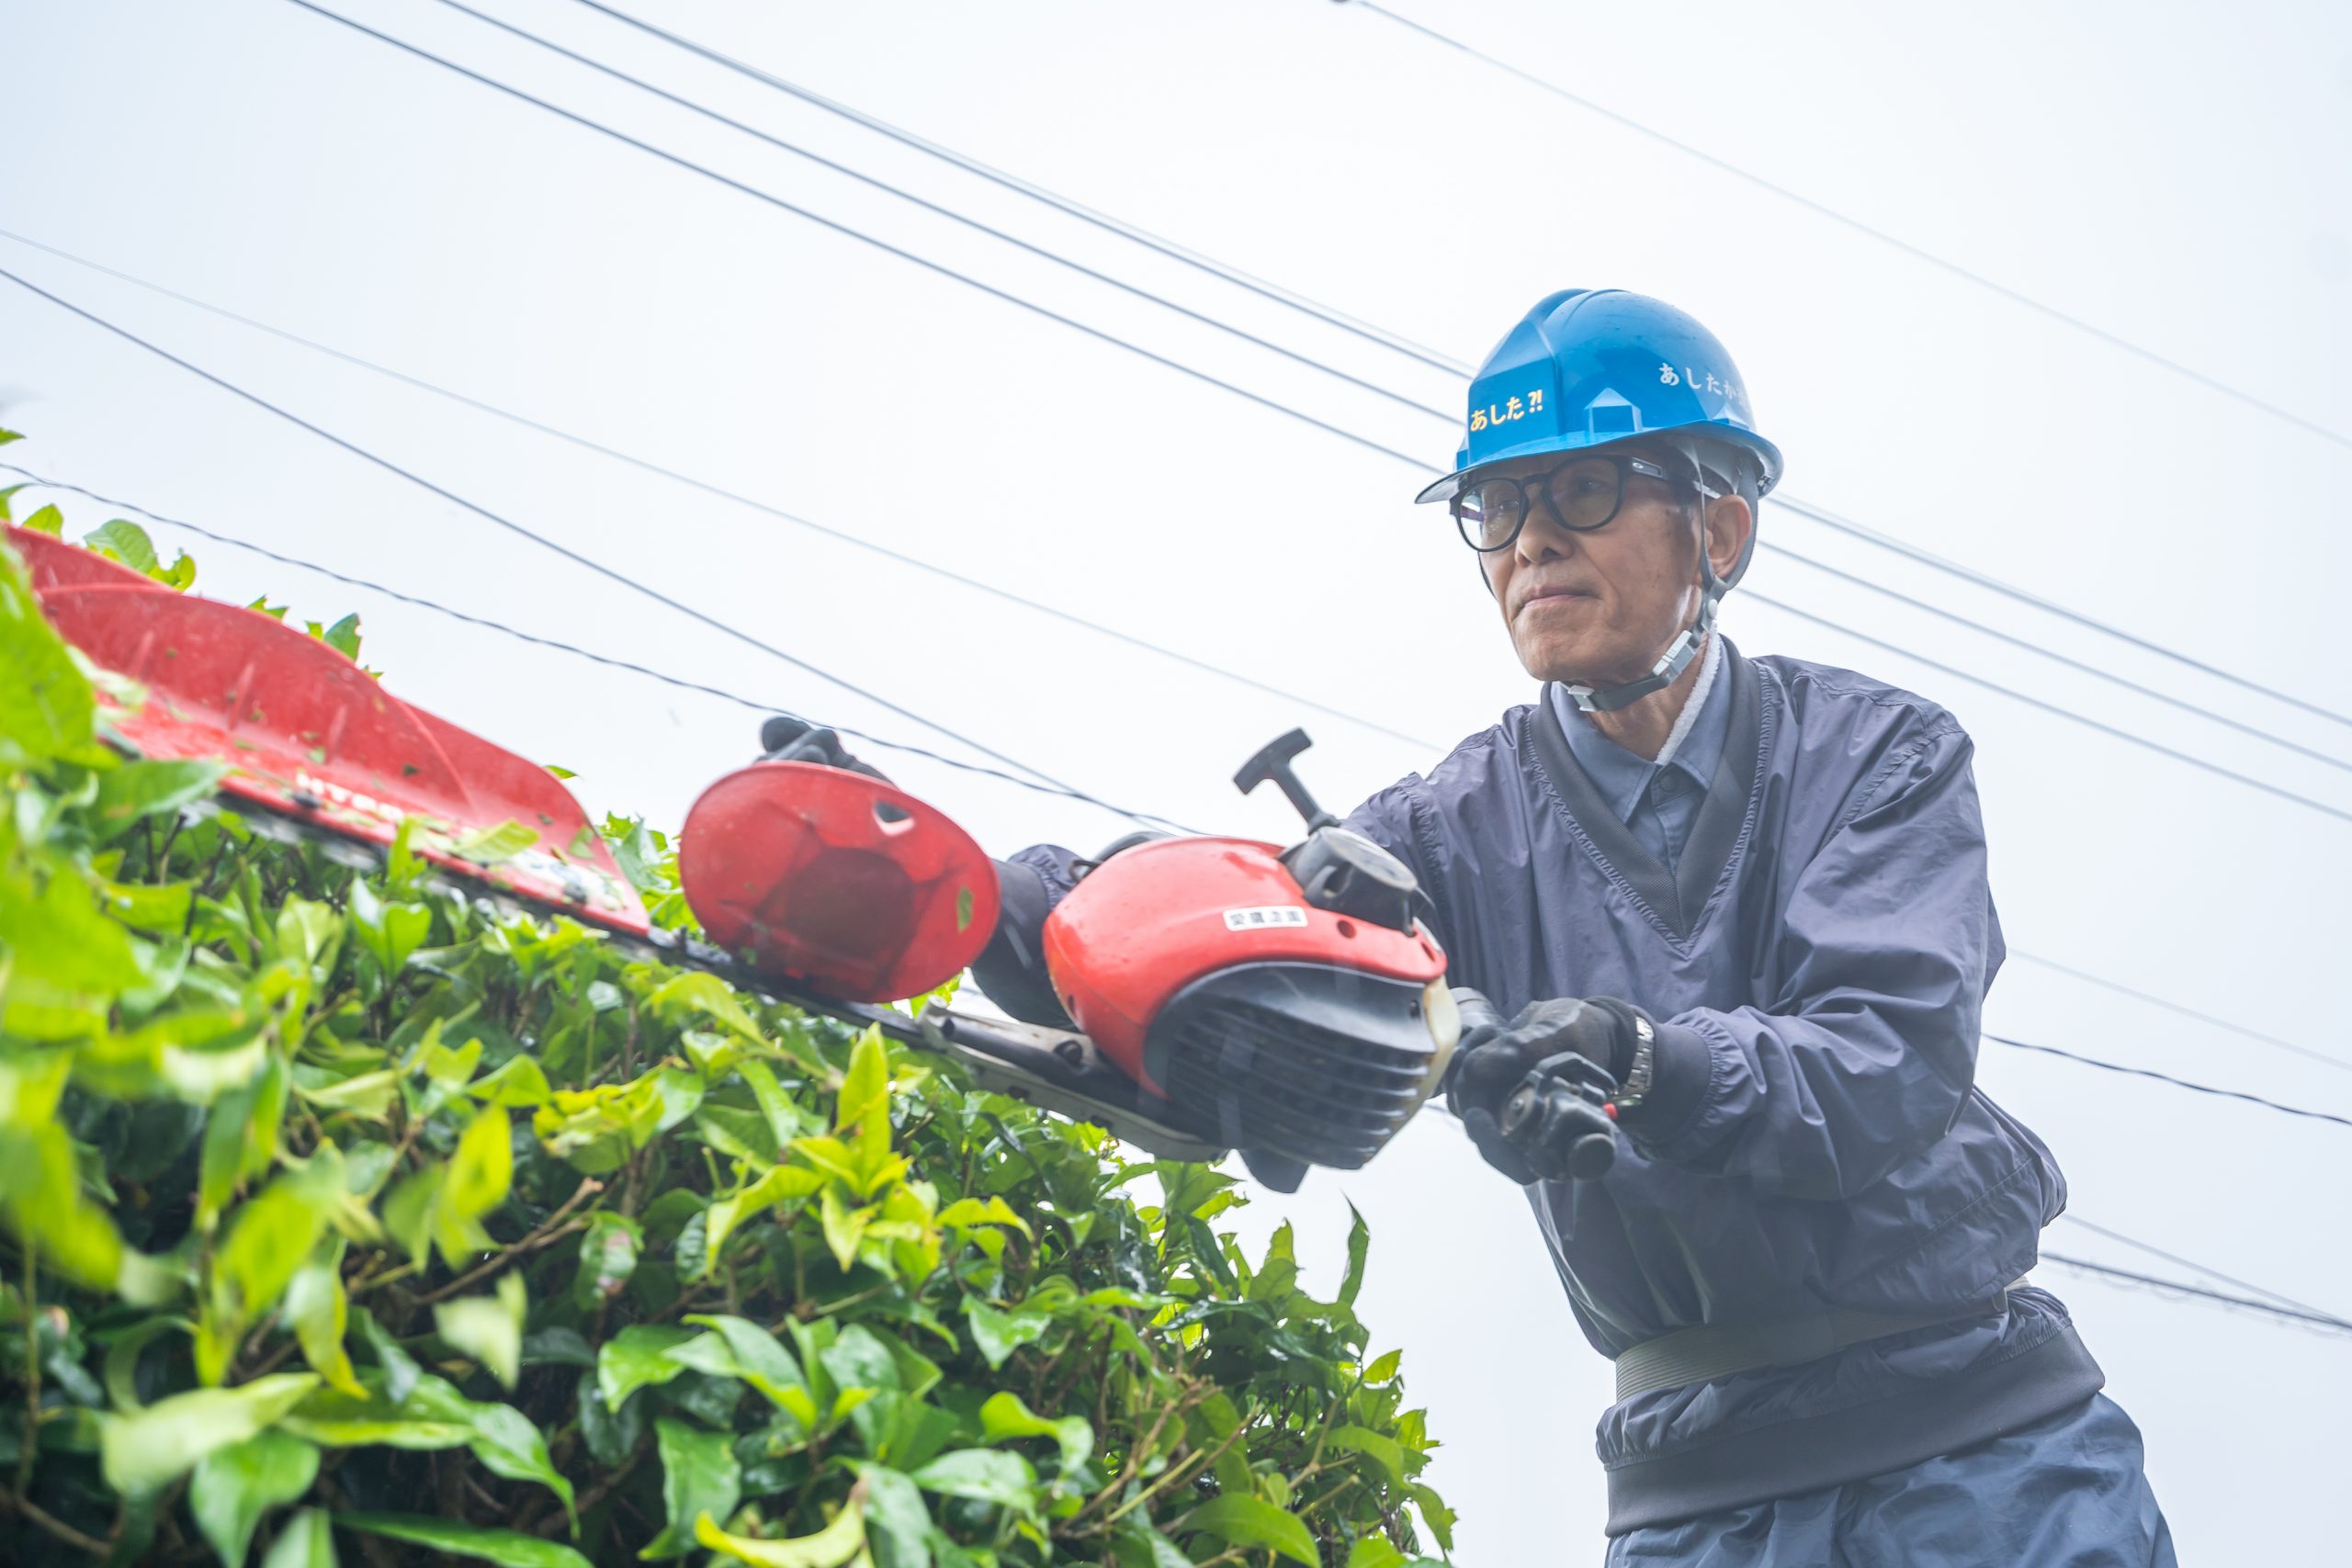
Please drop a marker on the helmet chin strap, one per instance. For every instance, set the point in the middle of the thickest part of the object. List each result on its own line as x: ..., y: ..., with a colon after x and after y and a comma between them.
x: 1685, y: 646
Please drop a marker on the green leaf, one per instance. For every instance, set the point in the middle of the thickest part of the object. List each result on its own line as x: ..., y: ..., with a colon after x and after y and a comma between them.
x: 8, y: 435
x: 844, y: 1227
x: 1383, y: 1369
x: 268, y: 1240
x: 1253, y: 1521
x: 142, y: 1451
x: 1138, y: 1545
x: 898, y: 1521
x: 132, y: 793
x: 829, y: 1548
x: 867, y: 1084
x: 399, y: 1369
x: 999, y: 1332
x: 307, y: 1541
x: 508, y: 1547
x: 489, y: 1328
x: 482, y: 1170
x: 490, y: 846
x: 699, y: 1480
x: 125, y: 541
x: 48, y: 520
x: 390, y: 931
x: 1381, y: 1450
x: 637, y: 1357
x: 1374, y: 1552
x: 756, y: 1356
x: 317, y: 1309
x: 778, y: 1184
x: 1359, y: 1245
x: 235, y: 1485
x: 1434, y: 1513
x: 47, y: 709
x: 988, y: 1475
x: 1004, y: 1416
x: 343, y: 636
x: 121, y: 1366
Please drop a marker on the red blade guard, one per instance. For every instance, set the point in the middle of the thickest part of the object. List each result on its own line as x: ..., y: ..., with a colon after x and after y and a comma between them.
x: 840, y: 881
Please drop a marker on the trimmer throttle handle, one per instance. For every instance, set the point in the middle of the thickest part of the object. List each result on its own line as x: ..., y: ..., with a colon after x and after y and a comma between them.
x: 1273, y: 761
x: 1559, y: 1118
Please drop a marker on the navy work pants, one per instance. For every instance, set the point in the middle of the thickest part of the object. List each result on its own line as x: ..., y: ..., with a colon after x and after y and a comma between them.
x: 2067, y: 1491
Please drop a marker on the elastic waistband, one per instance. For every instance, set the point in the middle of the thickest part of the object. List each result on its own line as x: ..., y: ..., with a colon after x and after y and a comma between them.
x: 1788, y: 1458
x: 1718, y: 1350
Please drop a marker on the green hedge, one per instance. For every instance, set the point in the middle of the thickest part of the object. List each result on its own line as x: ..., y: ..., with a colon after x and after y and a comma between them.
x: 345, y: 1211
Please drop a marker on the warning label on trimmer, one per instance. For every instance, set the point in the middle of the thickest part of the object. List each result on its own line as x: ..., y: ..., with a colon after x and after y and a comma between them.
x: 1270, y: 915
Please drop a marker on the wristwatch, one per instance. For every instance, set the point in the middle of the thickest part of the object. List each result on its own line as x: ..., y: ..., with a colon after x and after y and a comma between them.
x: 1637, y: 1083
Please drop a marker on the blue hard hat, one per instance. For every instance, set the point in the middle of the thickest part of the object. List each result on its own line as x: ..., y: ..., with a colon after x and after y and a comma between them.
x: 1589, y: 367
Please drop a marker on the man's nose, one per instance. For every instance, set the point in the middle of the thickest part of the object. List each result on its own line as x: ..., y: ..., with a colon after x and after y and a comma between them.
x: 1541, y: 537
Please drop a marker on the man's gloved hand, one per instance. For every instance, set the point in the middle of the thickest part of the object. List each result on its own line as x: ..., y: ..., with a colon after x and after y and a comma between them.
x: 1494, y: 1056
x: 786, y: 739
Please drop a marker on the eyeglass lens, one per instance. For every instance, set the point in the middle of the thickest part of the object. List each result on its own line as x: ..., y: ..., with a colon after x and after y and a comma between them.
x: 1584, y: 495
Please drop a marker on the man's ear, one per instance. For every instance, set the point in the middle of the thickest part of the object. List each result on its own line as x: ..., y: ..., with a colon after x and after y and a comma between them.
x: 1730, y: 523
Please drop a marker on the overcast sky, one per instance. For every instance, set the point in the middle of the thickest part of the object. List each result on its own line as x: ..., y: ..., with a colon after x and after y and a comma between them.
x: 2171, y: 174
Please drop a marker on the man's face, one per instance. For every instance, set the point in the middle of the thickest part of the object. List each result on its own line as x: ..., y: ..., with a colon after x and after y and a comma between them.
x: 1597, y: 608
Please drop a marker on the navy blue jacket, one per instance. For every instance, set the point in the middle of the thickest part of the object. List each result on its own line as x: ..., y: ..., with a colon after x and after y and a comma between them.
x: 1814, y: 1139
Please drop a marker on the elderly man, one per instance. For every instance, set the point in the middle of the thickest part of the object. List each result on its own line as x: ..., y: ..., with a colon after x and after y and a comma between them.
x: 1753, y: 891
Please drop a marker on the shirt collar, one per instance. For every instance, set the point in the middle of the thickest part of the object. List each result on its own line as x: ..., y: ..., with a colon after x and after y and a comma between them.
x: 1695, y: 747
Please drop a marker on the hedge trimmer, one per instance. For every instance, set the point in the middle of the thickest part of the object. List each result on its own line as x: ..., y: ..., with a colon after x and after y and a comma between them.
x: 1232, y: 994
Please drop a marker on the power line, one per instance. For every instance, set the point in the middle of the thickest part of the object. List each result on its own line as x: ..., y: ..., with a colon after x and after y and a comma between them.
x: 2202, y: 1268
x: 863, y: 238
x: 707, y: 488
x: 1918, y: 253
x: 1321, y: 312
x: 2049, y: 606
x: 950, y: 214
x: 1041, y: 607
x: 599, y: 568
x: 2103, y: 728
x: 2099, y: 672
x: 2169, y: 1006
x: 2320, y: 1321
x: 503, y: 629
x: 1168, y: 248
x: 1253, y: 396
x: 2169, y: 1078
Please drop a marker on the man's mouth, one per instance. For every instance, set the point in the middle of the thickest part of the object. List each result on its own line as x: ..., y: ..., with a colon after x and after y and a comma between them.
x: 1538, y: 595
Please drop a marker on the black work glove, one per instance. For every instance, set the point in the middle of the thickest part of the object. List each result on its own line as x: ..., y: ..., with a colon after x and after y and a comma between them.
x: 786, y: 739
x: 1494, y: 1057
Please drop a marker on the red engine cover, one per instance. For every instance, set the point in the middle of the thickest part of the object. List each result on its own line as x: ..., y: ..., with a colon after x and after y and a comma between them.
x: 1152, y: 919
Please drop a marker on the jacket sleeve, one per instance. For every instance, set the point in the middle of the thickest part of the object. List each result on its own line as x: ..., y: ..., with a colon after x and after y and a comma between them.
x: 1011, y: 970
x: 1868, y: 1051
x: 1398, y: 818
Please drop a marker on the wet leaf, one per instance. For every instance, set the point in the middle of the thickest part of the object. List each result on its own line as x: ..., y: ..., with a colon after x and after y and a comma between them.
x: 699, y: 1480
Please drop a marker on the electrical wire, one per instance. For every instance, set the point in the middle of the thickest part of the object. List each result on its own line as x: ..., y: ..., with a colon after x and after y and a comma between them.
x: 1263, y: 402
x: 2049, y: 606
x: 2202, y: 1268
x: 707, y: 488
x: 555, y: 645
x: 2169, y: 1006
x: 577, y: 558
x: 2167, y: 1078
x: 2083, y: 666
x: 1308, y: 305
x: 2322, y: 1322
x: 1918, y: 253
x: 850, y: 232
x: 1327, y: 314
x: 949, y: 213
x: 2265, y: 785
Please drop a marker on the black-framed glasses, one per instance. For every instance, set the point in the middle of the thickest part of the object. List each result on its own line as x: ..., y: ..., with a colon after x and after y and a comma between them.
x: 1585, y: 493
